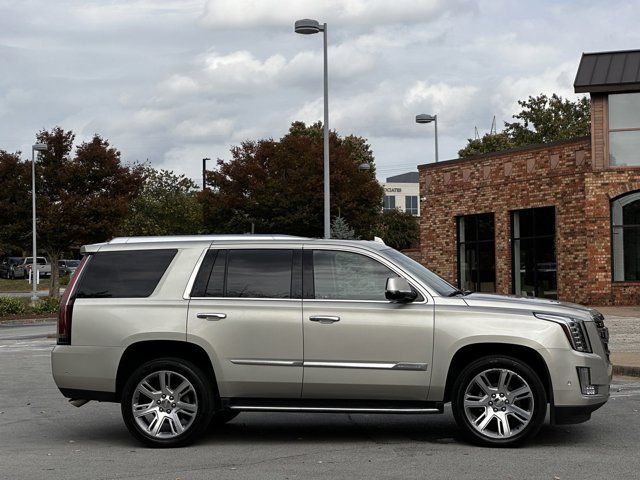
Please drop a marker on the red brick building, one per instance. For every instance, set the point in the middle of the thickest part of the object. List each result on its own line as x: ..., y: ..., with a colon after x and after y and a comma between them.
x: 558, y: 220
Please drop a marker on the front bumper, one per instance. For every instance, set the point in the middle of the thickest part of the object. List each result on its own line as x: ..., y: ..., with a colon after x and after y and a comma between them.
x: 571, y: 415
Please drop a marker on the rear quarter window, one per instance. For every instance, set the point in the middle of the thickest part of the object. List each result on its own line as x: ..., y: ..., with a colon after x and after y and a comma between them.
x: 124, y: 274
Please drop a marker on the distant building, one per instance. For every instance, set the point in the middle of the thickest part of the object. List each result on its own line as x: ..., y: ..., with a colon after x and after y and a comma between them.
x: 402, y: 192
x: 557, y: 220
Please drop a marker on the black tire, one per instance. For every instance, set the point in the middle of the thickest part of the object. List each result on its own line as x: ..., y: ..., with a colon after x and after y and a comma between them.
x: 519, y: 431
x: 11, y: 275
x: 204, y: 399
x: 221, y: 417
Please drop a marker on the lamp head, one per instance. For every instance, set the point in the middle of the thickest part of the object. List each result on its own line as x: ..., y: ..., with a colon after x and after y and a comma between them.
x: 40, y: 147
x: 425, y: 118
x: 307, y: 26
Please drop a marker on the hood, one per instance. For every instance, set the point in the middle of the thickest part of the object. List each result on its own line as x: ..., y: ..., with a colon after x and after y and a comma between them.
x: 543, y: 305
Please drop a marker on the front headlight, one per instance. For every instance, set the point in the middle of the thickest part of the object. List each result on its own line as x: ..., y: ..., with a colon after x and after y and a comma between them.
x: 573, y: 329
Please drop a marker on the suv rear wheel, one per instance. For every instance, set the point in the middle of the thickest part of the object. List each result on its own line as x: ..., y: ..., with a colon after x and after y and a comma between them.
x: 499, y: 401
x: 167, y: 403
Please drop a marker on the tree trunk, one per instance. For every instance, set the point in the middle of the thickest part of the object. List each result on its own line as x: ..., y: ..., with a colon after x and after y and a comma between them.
x: 54, y: 290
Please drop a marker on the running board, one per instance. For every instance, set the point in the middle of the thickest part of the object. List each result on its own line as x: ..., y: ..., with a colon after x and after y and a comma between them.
x: 324, y: 406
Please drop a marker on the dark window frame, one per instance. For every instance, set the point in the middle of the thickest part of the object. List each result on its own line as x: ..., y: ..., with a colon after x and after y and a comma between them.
x: 476, y: 245
x: 203, y: 275
x: 612, y: 227
x: 513, y: 240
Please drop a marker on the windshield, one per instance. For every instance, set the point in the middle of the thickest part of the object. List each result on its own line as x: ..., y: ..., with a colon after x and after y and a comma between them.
x: 73, y: 263
x: 39, y: 260
x: 441, y: 286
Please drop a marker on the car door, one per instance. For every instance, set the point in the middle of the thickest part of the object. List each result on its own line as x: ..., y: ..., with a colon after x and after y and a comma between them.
x: 357, y: 344
x: 246, y: 310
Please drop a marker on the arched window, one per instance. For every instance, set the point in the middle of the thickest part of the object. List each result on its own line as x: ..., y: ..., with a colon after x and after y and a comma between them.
x: 625, y: 216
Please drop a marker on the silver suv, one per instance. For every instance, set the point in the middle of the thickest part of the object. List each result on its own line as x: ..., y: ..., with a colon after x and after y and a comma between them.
x: 185, y: 332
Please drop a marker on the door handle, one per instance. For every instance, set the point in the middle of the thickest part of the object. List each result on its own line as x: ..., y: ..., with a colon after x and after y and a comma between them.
x: 324, y: 318
x: 212, y: 316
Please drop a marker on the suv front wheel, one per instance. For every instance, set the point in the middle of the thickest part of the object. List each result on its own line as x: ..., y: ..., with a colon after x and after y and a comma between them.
x: 499, y: 401
x: 167, y: 403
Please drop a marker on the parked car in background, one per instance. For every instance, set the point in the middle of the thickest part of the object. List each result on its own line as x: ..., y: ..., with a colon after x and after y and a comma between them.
x: 68, y: 266
x: 43, y: 266
x: 11, y: 267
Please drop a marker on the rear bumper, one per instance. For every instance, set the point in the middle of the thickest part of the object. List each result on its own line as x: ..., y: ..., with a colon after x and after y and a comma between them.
x: 570, y: 415
x: 85, y: 368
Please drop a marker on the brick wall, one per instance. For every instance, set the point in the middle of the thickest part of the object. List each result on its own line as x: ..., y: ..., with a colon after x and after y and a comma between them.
x: 560, y: 174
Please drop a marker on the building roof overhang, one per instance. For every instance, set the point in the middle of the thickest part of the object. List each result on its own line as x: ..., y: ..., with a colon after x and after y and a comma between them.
x: 608, y: 72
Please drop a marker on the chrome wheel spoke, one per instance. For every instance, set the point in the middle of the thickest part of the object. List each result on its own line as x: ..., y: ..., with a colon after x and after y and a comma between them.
x: 143, y: 410
x: 147, y: 390
x: 503, y: 382
x: 504, y: 430
x: 484, y: 419
x: 521, y: 414
x: 187, y: 408
x: 519, y: 394
x: 483, y: 383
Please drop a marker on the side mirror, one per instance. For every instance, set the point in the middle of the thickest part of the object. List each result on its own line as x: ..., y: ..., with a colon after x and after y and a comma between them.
x: 399, y: 290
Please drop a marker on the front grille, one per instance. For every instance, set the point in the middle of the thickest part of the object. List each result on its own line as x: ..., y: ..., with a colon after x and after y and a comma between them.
x: 603, y: 332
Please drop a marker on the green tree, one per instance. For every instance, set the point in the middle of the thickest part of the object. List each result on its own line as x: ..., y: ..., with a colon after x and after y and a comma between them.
x: 166, y: 205
x: 80, y: 199
x: 542, y: 119
x: 15, y: 199
x: 341, y: 230
x: 278, y: 185
x: 398, y: 229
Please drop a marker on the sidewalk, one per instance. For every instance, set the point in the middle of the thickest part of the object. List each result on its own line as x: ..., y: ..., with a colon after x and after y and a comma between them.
x: 624, y: 342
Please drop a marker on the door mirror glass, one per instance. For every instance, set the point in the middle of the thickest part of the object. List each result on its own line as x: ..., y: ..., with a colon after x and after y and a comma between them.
x: 399, y: 290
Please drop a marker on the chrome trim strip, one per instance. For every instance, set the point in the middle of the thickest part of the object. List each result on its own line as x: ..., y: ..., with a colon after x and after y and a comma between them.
x: 263, y: 408
x: 368, y: 365
x: 273, y: 363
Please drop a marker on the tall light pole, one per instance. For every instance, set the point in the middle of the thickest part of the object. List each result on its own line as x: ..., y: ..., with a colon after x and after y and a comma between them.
x: 309, y: 27
x: 424, y: 118
x: 38, y: 147
x: 204, y: 172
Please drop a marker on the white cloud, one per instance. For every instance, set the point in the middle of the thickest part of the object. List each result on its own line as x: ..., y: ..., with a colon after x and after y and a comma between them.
x: 259, y: 13
x: 205, y: 129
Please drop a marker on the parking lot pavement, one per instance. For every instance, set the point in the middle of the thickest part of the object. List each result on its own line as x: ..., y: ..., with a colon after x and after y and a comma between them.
x: 43, y: 437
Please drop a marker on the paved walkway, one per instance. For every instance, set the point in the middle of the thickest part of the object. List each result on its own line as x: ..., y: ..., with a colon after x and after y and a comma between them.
x: 624, y: 343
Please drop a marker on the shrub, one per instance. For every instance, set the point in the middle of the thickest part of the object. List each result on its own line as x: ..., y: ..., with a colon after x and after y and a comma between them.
x: 46, y: 305
x: 12, y: 306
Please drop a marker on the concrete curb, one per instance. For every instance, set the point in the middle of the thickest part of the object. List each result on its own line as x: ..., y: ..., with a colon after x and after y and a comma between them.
x: 26, y: 321
x: 626, y: 370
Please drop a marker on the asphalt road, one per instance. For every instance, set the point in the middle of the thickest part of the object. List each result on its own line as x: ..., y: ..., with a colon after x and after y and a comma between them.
x: 42, y: 436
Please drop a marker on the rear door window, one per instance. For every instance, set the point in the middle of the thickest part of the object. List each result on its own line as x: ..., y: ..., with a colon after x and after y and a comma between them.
x: 124, y: 274
x: 246, y: 273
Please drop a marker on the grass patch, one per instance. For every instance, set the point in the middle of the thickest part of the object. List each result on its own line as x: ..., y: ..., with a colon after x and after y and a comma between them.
x: 22, y: 306
x: 24, y: 285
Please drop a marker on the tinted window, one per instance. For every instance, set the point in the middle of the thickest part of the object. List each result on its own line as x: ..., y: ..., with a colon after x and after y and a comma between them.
x: 259, y: 274
x: 126, y: 274
x: 348, y: 276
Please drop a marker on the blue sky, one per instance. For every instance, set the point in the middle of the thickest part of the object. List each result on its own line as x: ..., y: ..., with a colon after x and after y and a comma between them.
x: 175, y: 81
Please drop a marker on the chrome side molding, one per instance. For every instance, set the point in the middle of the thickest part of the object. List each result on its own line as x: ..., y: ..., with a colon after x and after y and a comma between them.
x: 319, y: 409
x: 407, y: 366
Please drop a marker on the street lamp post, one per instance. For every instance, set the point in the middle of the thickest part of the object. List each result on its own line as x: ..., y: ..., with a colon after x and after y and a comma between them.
x: 424, y: 118
x: 204, y: 172
x: 38, y: 147
x: 309, y: 27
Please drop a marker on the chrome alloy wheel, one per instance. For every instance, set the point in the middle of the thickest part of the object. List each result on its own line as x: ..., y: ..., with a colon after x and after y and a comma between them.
x: 164, y: 404
x: 498, y: 403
